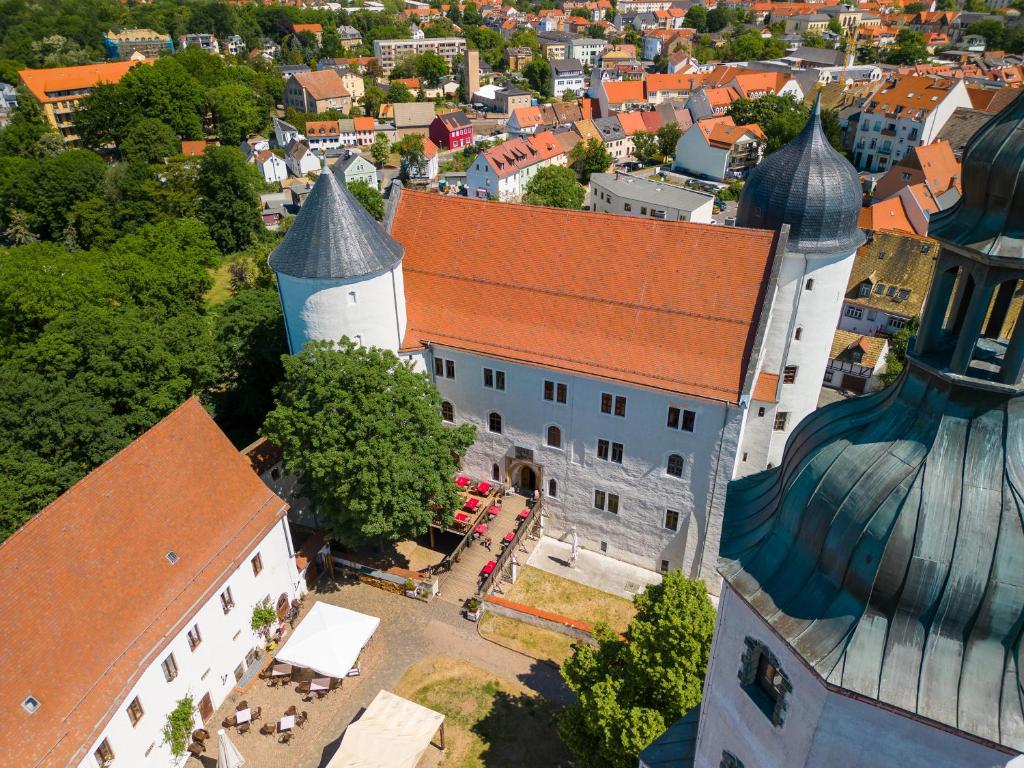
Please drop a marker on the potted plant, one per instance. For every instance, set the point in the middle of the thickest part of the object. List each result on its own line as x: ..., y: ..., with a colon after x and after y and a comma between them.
x: 410, y: 588
x: 473, y: 609
x: 263, y: 617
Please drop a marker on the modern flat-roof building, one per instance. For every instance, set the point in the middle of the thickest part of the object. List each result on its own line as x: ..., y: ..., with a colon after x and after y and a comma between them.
x: 133, y: 590
x: 127, y: 42
x: 59, y: 90
x: 634, y: 196
x: 390, y: 52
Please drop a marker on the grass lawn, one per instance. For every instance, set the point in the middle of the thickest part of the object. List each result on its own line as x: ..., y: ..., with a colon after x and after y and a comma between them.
x: 525, y: 638
x: 543, y: 590
x: 488, y: 721
x: 221, y: 289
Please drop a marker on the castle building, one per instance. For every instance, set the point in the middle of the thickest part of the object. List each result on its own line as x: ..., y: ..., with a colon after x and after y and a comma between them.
x: 627, y: 368
x: 874, y: 581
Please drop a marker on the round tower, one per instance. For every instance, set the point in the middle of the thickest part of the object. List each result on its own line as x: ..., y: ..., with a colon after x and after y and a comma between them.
x: 814, y: 190
x: 339, y: 273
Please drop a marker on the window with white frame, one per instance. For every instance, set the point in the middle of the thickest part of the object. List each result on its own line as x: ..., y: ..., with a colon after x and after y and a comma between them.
x: 674, y: 466
x: 855, y: 312
x: 681, y: 418
x: 494, y: 379
x: 556, y: 392
x: 672, y: 519
x: 608, y: 502
x: 169, y: 667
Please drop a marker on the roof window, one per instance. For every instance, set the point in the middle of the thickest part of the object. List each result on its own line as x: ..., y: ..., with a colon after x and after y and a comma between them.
x: 172, y: 557
x: 30, y: 704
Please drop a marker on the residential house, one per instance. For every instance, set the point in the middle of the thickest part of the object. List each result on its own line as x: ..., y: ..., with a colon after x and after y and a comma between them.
x: 284, y: 133
x: 300, y: 158
x: 679, y: 86
x: 317, y: 92
x: 413, y: 118
x: 888, y: 284
x: 202, y: 40
x: 586, y: 50
x: 518, y: 57
x: 59, y: 90
x: 287, y: 70
x: 567, y: 75
x: 315, y: 30
x: 452, y: 130
x: 719, y: 149
x: 100, y: 651
x: 389, y: 52
x: 616, y: 95
x: 933, y: 165
x: 905, y: 111
x: 273, y: 168
x: 427, y: 170
x: 352, y: 166
x: 610, y: 131
x: 235, y: 45
x: 554, y: 45
x: 349, y: 36
x: 323, y: 135
x: 634, y: 196
x: 8, y: 100
x: 807, y: 23
x: 855, y: 362
x: 254, y: 143
x: 128, y: 42
x: 906, y: 211
x: 502, y: 172
x: 269, y: 50
x: 357, y: 131
x: 711, y: 102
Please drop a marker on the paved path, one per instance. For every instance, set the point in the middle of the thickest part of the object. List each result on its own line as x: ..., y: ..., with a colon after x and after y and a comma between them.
x: 409, y: 631
x: 592, y: 568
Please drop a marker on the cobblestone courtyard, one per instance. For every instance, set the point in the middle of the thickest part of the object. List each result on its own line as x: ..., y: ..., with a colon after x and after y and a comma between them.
x: 409, y: 632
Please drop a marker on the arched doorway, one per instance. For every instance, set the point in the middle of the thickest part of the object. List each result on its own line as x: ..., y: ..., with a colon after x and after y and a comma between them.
x: 527, y: 480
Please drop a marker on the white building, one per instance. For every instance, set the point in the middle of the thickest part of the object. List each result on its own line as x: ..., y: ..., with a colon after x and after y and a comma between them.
x: 203, y: 40
x: 566, y: 75
x: 905, y: 111
x: 99, y: 650
x: 856, y: 362
x: 586, y: 50
x: 236, y: 45
x: 636, y: 196
x: 624, y: 400
x: 300, y: 158
x: 502, y: 172
x: 719, y: 149
x: 390, y: 52
x: 273, y: 168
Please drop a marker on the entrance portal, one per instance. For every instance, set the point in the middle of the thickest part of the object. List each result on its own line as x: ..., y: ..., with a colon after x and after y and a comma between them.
x: 527, y: 481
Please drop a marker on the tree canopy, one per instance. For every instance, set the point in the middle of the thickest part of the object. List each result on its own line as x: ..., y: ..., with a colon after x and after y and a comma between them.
x: 781, y: 118
x: 555, y: 186
x: 363, y: 431
x: 589, y: 157
x: 228, y: 189
x: 629, y: 691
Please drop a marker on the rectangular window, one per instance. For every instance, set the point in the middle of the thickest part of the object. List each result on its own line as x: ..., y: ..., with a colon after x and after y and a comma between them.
x: 664, y: 566
x: 194, y: 638
x: 104, y: 754
x: 602, y: 449
x: 438, y: 366
x: 689, y: 419
x: 170, y: 667
x: 449, y: 369
x: 789, y: 374
x: 780, y: 420
x: 674, y: 415
x: 672, y: 519
x: 613, y: 503
x: 627, y: 207
x: 606, y: 403
x: 562, y: 393
x: 620, y: 406
x: 488, y: 378
x: 499, y: 380
x: 598, y: 499
x: 135, y: 712
x: 549, y: 390
x: 855, y: 312
x: 896, y: 323
x: 643, y: 210
x: 617, y: 453
x: 227, y: 602
x: 257, y: 564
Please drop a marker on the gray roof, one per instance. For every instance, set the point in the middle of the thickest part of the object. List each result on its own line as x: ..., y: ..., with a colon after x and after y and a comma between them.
x: 989, y: 217
x: 346, y: 160
x: 610, y: 128
x: 334, y: 237
x: 565, y: 65
x: 826, y: 56
x: 414, y: 114
x: 675, y: 748
x: 651, y: 192
x: 811, y: 187
x: 887, y: 549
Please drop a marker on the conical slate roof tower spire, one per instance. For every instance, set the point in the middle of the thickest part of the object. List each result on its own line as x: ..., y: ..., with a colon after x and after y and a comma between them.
x: 811, y: 187
x: 334, y: 237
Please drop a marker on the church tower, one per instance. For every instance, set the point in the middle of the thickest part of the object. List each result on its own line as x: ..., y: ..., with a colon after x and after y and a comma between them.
x: 339, y: 273
x: 873, y: 606
x: 814, y: 190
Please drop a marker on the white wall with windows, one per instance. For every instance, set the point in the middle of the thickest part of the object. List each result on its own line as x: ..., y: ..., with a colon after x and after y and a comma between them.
x: 870, y: 322
x: 638, y: 472
x: 203, y: 659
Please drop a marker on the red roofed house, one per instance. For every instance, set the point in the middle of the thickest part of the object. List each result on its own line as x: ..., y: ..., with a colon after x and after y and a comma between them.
x: 452, y: 130
x: 711, y: 102
x: 134, y: 589
x: 318, y: 91
x: 934, y: 165
x: 719, y: 149
x: 323, y: 134
x: 502, y: 172
x: 315, y: 30
x: 525, y: 121
x: 615, y: 95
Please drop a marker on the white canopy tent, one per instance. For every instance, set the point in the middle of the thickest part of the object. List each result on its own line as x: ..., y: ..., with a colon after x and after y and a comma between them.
x: 329, y: 640
x: 392, y: 733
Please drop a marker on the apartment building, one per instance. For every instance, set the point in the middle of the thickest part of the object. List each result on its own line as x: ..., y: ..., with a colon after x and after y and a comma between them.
x: 389, y: 52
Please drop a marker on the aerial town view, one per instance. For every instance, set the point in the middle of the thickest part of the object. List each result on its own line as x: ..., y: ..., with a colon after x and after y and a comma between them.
x: 511, y: 384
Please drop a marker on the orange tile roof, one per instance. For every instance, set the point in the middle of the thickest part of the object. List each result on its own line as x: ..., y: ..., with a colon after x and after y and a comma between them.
x: 616, y: 307
x: 759, y: 83
x: 42, y: 82
x: 721, y: 97
x: 313, y: 28
x: 622, y: 91
x: 317, y: 128
x: 888, y: 214
x: 724, y: 136
x: 522, y: 152
x: 766, y: 388
x: 652, y: 120
x: 528, y: 117
x: 631, y: 122
x: 915, y: 95
x: 89, y: 598
x: 362, y: 123
x: 412, y: 83
x: 940, y: 166
x: 322, y: 84
x: 429, y: 148
x: 676, y: 82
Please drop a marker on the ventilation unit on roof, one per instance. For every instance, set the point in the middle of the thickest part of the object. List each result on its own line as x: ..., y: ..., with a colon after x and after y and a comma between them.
x: 172, y: 557
x: 30, y: 704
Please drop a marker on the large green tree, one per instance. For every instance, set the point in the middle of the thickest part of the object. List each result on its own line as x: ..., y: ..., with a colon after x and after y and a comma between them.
x: 628, y: 691
x: 150, y: 140
x: 369, y: 197
x: 538, y: 75
x: 555, y: 186
x: 229, y: 198
x: 363, y: 431
x: 589, y: 157
x: 237, y: 112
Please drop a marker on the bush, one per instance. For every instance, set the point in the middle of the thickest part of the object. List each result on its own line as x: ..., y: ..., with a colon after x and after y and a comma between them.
x: 178, y: 729
x: 262, y: 617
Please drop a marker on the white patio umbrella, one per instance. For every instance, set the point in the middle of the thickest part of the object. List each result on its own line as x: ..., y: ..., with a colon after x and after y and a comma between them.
x: 228, y: 755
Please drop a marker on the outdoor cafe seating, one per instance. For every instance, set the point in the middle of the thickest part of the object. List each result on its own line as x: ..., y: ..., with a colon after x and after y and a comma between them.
x: 492, y: 511
x: 462, y: 481
x: 482, y: 488
x: 508, y: 538
x: 480, y: 530
x: 488, y: 569
x: 471, y: 504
